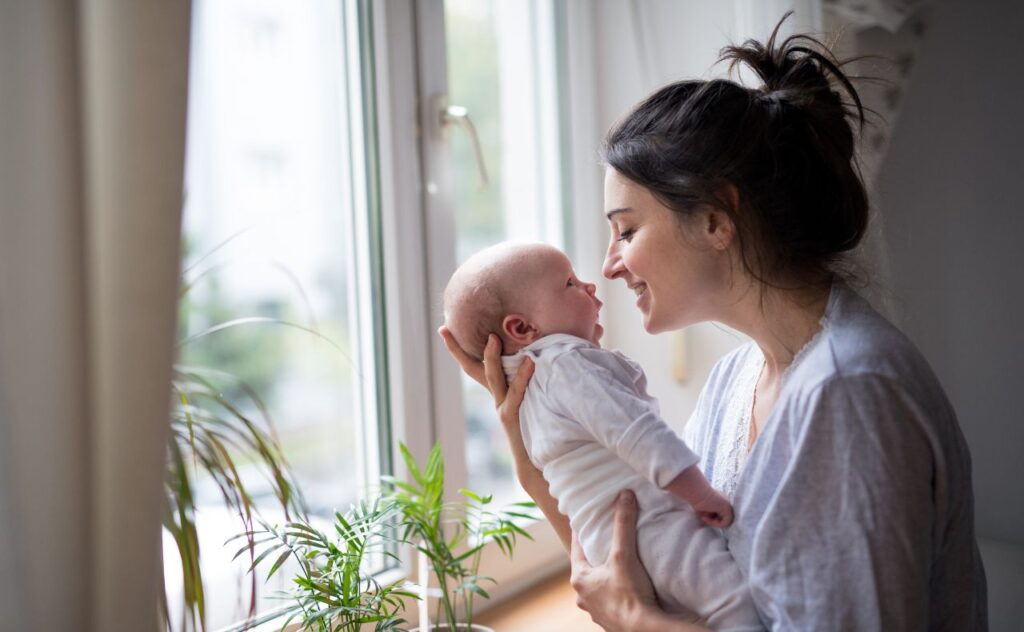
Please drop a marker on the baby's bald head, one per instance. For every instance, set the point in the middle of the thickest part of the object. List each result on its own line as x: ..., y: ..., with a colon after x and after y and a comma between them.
x: 488, y: 286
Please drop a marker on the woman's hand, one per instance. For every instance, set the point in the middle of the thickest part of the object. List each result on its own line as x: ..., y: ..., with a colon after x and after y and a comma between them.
x: 618, y: 594
x: 507, y: 400
x: 615, y: 592
x: 507, y: 397
x: 473, y: 367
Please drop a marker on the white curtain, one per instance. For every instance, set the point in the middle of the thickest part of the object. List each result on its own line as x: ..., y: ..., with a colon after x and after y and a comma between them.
x: 92, y: 132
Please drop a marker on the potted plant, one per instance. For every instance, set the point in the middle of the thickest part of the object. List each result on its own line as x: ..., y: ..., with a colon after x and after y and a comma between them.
x: 452, y: 535
x: 333, y: 592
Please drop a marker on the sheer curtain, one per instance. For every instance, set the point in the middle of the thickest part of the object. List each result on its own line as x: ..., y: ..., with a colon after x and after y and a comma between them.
x: 92, y: 131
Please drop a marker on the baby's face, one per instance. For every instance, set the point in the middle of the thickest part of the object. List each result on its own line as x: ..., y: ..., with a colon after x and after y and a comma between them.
x: 560, y: 303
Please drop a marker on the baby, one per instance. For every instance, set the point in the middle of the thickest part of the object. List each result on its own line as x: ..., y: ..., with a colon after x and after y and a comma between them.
x: 591, y: 428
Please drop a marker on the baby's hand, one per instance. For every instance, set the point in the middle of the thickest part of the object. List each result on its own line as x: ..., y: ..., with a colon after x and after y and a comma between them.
x: 714, y: 509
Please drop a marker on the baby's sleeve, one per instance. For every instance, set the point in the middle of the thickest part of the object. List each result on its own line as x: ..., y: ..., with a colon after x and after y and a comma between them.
x: 597, y: 391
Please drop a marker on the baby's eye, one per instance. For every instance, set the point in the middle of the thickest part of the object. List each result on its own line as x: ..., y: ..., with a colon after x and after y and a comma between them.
x: 626, y: 235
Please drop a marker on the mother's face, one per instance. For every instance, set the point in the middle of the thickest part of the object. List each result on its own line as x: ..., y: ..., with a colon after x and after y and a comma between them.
x: 678, y: 267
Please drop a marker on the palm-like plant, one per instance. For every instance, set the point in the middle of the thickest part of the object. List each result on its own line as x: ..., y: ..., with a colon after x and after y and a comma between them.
x: 452, y: 535
x: 332, y: 591
x: 218, y: 423
x: 211, y: 434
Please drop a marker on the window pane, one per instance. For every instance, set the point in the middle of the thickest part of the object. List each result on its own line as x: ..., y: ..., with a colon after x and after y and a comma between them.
x: 275, y: 229
x: 502, y: 67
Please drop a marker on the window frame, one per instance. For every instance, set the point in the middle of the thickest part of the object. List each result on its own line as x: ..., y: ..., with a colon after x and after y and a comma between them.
x: 420, y: 250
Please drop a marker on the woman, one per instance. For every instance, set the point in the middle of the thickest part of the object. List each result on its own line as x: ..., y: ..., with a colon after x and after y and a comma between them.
x: 829, y: 432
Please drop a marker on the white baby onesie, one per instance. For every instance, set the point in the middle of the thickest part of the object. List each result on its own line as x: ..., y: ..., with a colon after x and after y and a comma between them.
x: 591, y: 428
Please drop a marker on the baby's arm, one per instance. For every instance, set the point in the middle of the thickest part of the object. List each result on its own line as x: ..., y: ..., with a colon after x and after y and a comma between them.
x: 598, y: 389
x: 712, y: 507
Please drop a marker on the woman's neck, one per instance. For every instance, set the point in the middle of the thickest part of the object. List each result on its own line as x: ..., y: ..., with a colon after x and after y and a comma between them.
x: 781, y: 322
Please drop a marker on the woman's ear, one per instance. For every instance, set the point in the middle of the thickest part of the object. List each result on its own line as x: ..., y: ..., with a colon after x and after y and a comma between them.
x: 719, y: 227
x: 519, y: 330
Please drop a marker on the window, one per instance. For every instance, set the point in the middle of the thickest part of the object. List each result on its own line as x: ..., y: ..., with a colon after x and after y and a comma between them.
x: 502, y: 64
x: 502, y: 67
x: 323, y: 190
x: 278, y: 228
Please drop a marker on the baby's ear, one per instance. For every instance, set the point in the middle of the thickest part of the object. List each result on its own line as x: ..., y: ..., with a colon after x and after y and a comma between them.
x: 519, y: 330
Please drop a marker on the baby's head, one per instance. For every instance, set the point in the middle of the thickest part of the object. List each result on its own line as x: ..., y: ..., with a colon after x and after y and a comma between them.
x: 521, y: 292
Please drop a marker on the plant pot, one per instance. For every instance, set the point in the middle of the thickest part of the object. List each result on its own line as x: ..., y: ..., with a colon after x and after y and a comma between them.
x: 459, y: 627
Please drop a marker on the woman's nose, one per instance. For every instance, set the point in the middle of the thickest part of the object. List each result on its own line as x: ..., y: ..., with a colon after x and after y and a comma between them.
x: 612, y: 267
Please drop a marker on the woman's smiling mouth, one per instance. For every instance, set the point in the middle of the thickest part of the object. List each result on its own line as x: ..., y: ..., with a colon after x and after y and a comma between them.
x: 640, y: 289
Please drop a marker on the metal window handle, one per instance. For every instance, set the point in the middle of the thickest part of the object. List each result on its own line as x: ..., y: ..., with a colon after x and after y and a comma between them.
x: 459, y: 116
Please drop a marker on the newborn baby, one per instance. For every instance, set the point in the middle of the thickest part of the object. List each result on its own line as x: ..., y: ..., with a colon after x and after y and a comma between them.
x: 591, y: 428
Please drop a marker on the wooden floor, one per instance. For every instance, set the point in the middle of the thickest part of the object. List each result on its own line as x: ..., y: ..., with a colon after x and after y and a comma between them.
x: 548, y: 607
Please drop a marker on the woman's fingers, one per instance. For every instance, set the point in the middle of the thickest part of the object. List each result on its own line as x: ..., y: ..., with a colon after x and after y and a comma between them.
x: 577, y: 557
x: 624, y: 528
x: 495, y: 374
x: 623, y: 558
x: 612, y: 590
x: 473, y: 367
x: 517, y: 389
x: 508, y: 413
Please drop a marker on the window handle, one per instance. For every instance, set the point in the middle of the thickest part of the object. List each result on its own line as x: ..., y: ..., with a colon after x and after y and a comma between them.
x: 459, y: 116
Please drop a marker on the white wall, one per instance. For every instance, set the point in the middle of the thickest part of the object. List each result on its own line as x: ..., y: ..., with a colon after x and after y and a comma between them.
x: 950, y: 194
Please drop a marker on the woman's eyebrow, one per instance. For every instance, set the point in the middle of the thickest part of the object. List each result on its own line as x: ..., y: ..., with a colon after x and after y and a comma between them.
x: 616, y: 211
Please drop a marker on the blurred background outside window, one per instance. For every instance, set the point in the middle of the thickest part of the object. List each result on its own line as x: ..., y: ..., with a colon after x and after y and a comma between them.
x: 274, y: 228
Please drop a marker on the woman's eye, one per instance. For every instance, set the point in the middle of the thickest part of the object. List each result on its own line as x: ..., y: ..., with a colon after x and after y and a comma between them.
x: 569, y: 283
x: 626, y: 235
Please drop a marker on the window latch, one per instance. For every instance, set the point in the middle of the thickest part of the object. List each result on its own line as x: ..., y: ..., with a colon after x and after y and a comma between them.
x: 459, y: 116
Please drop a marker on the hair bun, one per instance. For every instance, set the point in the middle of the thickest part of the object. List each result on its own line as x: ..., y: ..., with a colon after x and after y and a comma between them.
x: 786, y: 148
x: 800, y: 71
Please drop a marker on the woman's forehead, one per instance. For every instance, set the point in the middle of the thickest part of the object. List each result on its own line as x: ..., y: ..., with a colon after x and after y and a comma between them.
x: 622, y: 196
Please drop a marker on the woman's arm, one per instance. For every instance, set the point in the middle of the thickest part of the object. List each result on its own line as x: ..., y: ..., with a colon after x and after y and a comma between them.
x: 507, y: 400
x: 618, y: 594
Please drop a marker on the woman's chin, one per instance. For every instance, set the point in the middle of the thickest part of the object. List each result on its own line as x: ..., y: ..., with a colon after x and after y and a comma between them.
x: 651, y: 324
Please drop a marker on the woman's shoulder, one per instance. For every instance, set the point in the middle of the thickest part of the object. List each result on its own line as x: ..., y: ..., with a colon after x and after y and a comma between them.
x: 859, y: 347
x: 856, y: 340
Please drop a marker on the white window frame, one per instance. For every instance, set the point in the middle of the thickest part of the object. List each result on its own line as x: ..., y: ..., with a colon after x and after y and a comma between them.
x: 419, y: 248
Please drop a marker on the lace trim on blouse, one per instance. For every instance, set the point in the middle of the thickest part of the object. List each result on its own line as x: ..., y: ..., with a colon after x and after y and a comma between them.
x: 732, y: 452
x: 733, y: 446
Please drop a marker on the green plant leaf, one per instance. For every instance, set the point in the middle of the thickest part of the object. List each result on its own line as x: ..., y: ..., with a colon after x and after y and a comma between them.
x: 277, y: 563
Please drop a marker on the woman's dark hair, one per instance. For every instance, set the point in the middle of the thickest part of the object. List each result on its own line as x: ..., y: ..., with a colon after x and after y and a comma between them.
x: 787, y: 147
